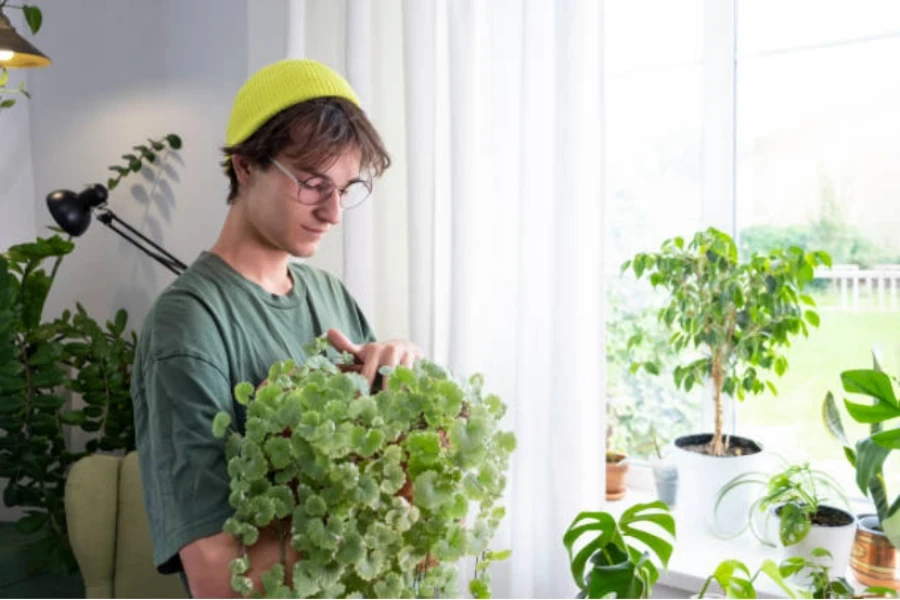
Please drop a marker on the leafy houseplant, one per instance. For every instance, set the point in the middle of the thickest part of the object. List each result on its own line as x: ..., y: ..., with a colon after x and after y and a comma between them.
x: 40, y: 362
x: 810, y: 508
x: 37, y: 361
x: 738, y: 314
x: 867, y: 456
x: 734, y: 578
x: 372, y: 490
x: 34, y: 18
x: 798, y: 495
x: 731, y: 320
x: 608, y: 563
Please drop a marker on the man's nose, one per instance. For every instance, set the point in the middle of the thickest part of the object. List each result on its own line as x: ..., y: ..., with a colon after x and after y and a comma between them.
x: 330, y: 209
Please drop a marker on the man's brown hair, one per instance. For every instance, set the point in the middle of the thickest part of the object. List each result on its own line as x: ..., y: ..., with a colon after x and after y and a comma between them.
x: 318, y: 132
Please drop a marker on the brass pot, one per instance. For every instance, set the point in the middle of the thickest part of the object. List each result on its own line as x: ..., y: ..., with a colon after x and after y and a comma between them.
x: 873, y: 560
x: 616, y: 467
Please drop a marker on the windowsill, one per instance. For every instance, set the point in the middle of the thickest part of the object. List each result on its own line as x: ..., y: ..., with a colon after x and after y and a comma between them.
x: 698, y: 552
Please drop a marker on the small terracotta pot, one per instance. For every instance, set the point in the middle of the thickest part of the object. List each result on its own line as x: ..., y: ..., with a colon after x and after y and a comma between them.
x: 615, y: 476
x: 874, y: 561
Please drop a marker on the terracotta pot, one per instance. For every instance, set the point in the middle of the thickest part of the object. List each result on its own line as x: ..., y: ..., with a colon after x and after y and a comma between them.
x: 615, y: 477
x: 874, y: 561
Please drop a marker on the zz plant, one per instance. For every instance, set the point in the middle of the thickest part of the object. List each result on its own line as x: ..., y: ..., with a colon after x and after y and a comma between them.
x: 738, y: 314
x: 376, y: 491
x: 607, y: 564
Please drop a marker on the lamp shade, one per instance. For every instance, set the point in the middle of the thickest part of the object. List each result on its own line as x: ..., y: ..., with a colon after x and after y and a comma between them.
x: 71, y: 211
x: 16, y: 51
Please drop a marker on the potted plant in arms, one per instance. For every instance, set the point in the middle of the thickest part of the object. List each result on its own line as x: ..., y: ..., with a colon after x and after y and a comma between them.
x: 875, y: 559
x: 735, y: 317
x: 374, y: 491
x: 802, y: 502
x: 608, y: 562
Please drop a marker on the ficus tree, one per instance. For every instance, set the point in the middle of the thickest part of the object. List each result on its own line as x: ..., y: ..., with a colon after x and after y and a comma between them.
x: 732, y: 319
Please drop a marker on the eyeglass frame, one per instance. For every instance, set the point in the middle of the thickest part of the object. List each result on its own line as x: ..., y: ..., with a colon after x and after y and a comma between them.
x: 323, y: 197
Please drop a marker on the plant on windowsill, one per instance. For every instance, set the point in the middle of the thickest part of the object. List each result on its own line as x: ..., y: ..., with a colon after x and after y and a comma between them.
x: 616, y: 467
x: 731, y: 320
x: 734, y: 579
x: 373, y: 491
x: 802, y: 501
x: 878, y: 537
x: 607, y: 562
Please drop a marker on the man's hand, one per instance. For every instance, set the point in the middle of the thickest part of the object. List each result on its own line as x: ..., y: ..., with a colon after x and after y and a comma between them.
x: 377, y: 354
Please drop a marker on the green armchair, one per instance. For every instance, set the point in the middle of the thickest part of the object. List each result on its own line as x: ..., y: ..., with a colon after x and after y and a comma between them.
x: 108, y: 530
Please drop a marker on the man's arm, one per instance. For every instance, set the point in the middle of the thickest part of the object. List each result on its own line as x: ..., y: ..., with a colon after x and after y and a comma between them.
x: 206, y: 561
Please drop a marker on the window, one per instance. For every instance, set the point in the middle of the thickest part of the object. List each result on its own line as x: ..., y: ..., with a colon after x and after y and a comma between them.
x: 654, y: 185
x: 817, y: 164
x: 809, y: 108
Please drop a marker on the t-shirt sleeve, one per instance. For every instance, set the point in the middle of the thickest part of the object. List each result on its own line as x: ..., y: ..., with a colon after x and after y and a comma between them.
x: 183, y: 465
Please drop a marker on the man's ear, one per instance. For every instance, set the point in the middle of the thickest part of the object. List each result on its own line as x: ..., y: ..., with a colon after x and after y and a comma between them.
x: 242, y: 166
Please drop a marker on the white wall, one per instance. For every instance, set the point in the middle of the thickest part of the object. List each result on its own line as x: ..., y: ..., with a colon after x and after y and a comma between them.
x: 122, y: 72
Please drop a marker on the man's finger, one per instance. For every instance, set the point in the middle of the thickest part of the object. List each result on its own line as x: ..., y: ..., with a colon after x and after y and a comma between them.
x: 376, y: 357
x: 342, y: 344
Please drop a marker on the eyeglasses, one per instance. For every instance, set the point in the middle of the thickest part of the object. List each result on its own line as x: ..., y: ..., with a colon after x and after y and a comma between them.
x: 312, y: 195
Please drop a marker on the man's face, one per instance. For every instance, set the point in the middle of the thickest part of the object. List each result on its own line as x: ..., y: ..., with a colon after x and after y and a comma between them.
x: 287, y: 216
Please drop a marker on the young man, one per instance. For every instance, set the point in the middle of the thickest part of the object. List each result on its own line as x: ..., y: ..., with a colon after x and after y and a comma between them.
x: 299, y: 150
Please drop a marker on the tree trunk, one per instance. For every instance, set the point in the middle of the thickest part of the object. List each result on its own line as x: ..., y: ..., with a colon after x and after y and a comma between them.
x: 718, y: 448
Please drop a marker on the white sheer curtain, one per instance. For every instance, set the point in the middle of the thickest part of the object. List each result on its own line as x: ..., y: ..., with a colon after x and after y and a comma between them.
x: 483, y: 244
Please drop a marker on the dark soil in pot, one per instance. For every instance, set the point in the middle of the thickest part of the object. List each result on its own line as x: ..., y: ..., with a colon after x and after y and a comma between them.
x: 701, y: 444
x: 827, y: 516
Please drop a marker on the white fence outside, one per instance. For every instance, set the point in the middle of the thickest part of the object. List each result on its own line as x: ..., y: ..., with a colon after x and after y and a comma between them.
x: 874, y: 289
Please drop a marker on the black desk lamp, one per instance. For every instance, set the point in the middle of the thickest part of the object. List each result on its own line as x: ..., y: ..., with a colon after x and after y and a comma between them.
x: 72, y: 212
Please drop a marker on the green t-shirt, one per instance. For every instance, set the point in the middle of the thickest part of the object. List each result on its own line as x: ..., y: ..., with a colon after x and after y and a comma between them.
x: 210, y: 330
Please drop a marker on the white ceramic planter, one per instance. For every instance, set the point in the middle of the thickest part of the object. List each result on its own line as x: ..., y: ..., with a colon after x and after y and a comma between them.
x: 700, y: 477
x: 837, y: 540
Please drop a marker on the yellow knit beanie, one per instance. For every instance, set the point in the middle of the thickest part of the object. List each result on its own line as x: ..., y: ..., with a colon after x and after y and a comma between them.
x: 276, y: 87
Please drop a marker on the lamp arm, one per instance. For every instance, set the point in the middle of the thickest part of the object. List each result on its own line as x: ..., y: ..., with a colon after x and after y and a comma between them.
x: 142, y: 242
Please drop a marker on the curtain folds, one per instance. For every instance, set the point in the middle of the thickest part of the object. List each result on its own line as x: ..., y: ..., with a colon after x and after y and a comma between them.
x: 482, y: 243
